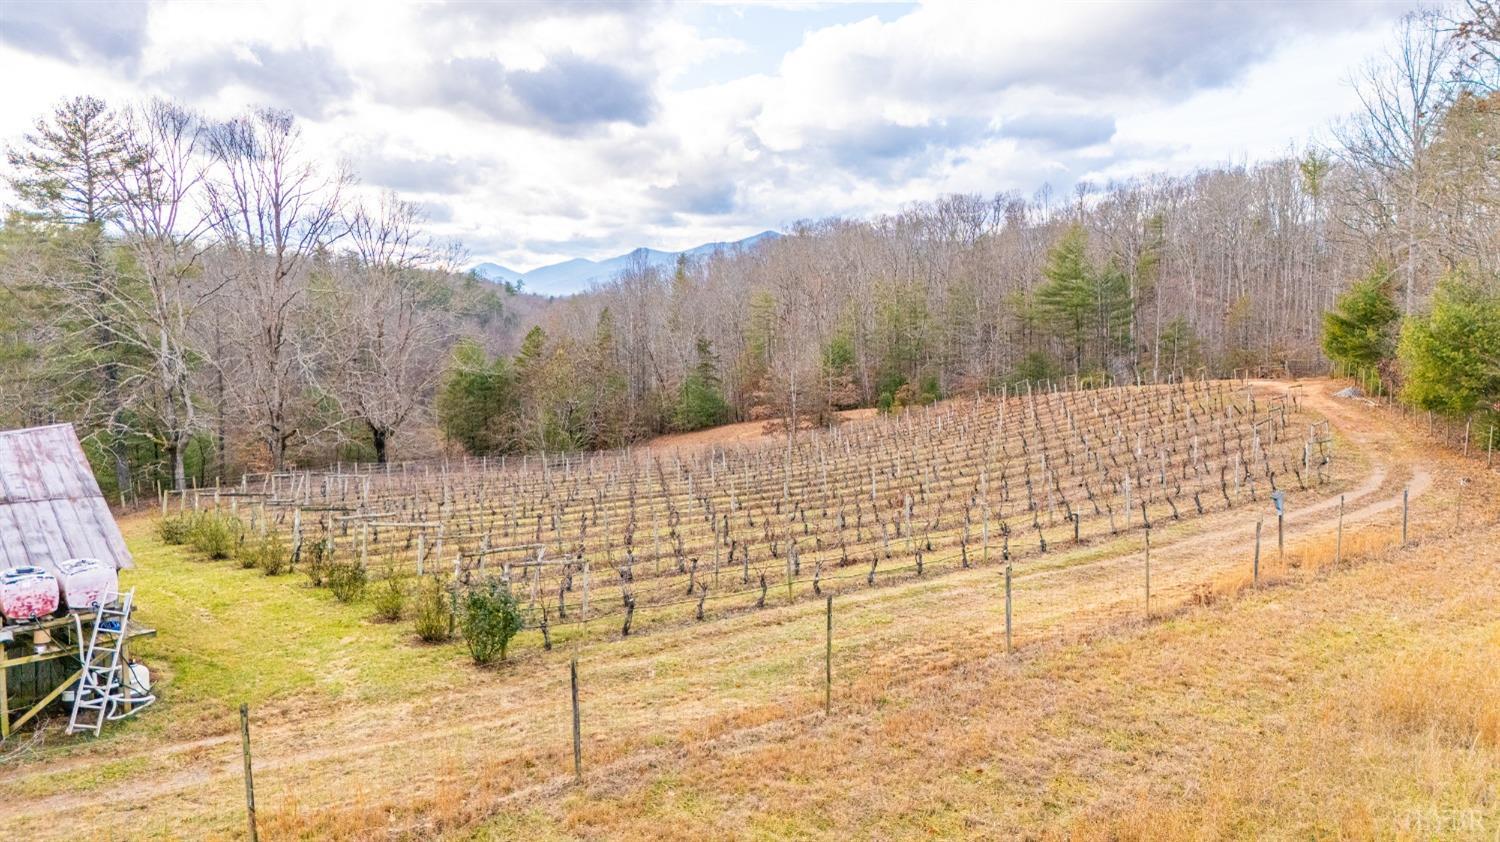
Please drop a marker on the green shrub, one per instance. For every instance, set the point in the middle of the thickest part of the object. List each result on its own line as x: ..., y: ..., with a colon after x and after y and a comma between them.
x: 267, y: 552
x: 432, y: 611
x: 931, y: 391
x: 389, y: 598
x: 214, y: 534
x: 175, y: 529
x: 1450, y: 353
x: 490, y: 619
x: 1360, y: 332
x: 347, y: 580
x: 318, y: 557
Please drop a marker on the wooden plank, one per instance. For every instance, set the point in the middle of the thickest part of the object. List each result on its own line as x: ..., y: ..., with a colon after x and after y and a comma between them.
x: 82, y: 478
x: 13, y: 486
x: 53, y: 547
x: 28, y: 471
x: 82, y: 537
x: 50, y: 453
x: 13, y: 547
x: 47, y: 699
x: 97, y: 535
x: 4, y: 695
x: 72, y: 651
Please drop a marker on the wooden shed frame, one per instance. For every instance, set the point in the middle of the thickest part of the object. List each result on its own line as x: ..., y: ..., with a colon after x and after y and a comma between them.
x: 51, y: 510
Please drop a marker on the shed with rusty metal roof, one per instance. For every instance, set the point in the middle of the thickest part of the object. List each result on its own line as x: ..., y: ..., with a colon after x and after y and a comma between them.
x: 51, y: 509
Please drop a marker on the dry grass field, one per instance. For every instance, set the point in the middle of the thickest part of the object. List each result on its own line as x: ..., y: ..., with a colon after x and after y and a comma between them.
x: 1354, y: 694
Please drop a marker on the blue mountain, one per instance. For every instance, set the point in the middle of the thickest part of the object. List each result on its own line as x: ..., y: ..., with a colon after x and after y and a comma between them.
x: 576, y: 275
x: 496, y: 273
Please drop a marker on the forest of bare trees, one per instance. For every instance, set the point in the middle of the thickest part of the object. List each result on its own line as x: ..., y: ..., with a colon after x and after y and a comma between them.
x: 204, y: 297
x: 201, y: 297
x: 1225, y: 268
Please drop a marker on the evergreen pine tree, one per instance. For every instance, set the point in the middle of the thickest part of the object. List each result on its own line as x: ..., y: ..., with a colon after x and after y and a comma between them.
x: 1451, y: 355
x: 1359, y: 333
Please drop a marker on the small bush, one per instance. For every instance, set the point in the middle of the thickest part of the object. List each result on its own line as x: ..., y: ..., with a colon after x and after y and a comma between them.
x: 318, y: 558
x: 389, y: 598
x: 175, y: 529
x: 245, y: 552
x: 490, y: 619
x: 268, y: 552
x: 347, y: 580
x: 214, y: 535
x: 432, y: 612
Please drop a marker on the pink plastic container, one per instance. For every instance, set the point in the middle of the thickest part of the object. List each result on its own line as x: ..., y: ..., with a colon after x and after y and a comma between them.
x: 27, y: 593
x: 86, y: 583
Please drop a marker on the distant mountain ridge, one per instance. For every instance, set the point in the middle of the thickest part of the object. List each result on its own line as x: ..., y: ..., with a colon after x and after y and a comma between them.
x: 576, y: 275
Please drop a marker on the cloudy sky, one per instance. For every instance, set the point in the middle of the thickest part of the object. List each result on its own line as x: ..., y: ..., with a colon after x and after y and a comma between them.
x: 537, y: 132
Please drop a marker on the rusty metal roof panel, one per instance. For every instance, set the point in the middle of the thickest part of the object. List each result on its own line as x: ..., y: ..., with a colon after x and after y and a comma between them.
x: 51, y: 508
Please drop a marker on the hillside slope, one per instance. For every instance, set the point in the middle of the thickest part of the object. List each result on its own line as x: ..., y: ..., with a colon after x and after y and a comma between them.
x: 1360, y: 699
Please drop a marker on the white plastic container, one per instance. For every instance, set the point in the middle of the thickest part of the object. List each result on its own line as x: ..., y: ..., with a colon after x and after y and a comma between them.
x: 27, y: 593
x: 86, y: 583
x: 137, y: 681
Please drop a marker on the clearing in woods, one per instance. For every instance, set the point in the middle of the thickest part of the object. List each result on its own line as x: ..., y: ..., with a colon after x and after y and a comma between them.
x: 1356, y: 698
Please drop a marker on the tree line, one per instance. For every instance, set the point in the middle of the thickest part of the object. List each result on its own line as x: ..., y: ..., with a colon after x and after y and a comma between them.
x: 1215, y: 271
x: 203, y: 297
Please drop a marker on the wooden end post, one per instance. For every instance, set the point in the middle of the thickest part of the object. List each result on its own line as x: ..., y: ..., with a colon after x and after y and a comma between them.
x: 1405, y: 511
x: 1256, y: 568
x: 577, y: 724
x: 1338, y: 542
x: 249, y: 778
x: 828, y: 663
x: 1148, y: 573
x: 1007, y: 608
x: 4, y: 696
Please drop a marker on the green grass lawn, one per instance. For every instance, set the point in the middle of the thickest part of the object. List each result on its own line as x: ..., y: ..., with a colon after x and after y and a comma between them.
x: 227, y: 635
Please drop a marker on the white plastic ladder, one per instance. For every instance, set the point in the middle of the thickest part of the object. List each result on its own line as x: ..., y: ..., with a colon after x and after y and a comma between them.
x: 103, y: 686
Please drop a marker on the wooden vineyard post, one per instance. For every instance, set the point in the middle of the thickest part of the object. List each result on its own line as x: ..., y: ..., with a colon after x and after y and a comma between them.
x: 1007, y: 607
x: 584, y: 606
x: 1281, y: 535
x: 1256, y: 568
x: 1148, y: 572
x: 577, y: 724
x: 1405, y: 511
x: 249, y: 778
x: 1338, y: 542
x: 828, y: 663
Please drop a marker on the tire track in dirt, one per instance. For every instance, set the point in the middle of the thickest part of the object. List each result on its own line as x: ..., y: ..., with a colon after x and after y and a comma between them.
x: 1317, y: 516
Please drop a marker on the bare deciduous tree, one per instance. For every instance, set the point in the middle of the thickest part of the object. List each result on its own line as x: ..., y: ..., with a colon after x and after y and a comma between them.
x: 274, y: 210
